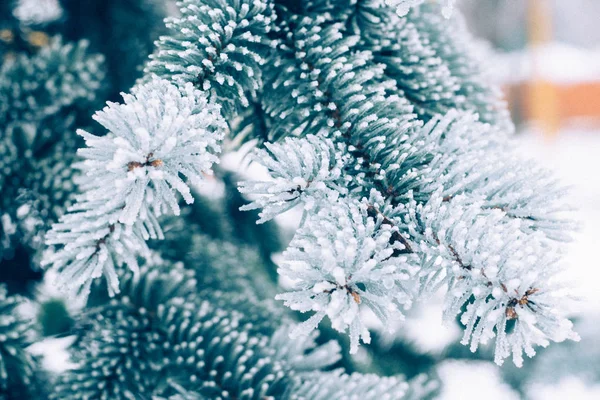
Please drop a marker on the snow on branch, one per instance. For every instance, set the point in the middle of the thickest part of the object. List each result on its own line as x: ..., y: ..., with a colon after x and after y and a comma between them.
x: 219, y: 46
x: 502, y: 274
x: 341, y: 261
x: 157, y: 136
x: 485, y: 236
x: 477, y: 159
x: 303, y: 171
x: 160, y: 140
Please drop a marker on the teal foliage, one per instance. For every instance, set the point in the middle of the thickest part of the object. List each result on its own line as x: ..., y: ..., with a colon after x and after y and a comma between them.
x: 123, y: 31
x: 233, y: 276
x: 20, y: 374
x: 159, y: 337
x: 124, y: 327
x: 219, y: 46
x: 409, y: 58
x: 43, y: 97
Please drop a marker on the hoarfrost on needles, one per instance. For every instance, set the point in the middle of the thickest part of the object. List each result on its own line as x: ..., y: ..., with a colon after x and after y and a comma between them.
x: 160, y: 135
x: 341, y: 261
x: 303, y: 171
x: 484, y: 235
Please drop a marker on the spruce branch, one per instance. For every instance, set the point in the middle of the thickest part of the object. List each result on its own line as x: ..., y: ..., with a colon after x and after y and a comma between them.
x: 451, y: 240
x: 55, y: 86
x: 341, y: 261
x: 488, y: 263
x: 219, y: 46
x: 130, y: 177
x: 304, y: 171
x: 452, y: 42
x: 158, y: 339
x: 20, y: 374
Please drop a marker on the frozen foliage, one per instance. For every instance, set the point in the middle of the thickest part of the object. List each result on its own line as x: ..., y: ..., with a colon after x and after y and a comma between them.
x: 451, y: 41
x: 158, y: 136
x: 211, y: 353
x: 320, y: 82
x: 501, y: 273
x: 305, y: 172
x: 483, y: 232
x: 476, y: 159
x: 304, y: 355
x: 334, y: 385
x: 8, y: 160
x: 341, y: 261
x: 381, y: 127
x: 38, y: 11
x: 42, y: 95
x: 218, y: 45
x: 422, y: 76
x: 37, y: 199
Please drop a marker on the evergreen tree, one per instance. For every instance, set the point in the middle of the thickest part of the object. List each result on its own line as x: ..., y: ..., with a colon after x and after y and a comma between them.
x: 371, y: 117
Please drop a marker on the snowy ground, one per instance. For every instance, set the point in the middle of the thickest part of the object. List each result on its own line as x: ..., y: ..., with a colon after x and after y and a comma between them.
x: 556, y: 62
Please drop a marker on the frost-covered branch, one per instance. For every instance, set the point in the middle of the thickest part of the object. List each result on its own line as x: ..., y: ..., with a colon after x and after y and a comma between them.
x: 466, y: 236
x: 55, y: 86
x: 476, y: 159
x: 340, y: 261
x: 307, y: 172
x: 451, y: 41
x: 171, y: 345
x: 219, y: 46
x: 19, y: 369
x: 158, y: 137
x: 501, y: 273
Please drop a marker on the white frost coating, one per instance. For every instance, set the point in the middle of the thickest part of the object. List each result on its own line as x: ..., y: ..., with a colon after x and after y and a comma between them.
x: 38, y: 11
x: 503, y: 274
x: 131, y: 176
x: 475, y: 158
x: 488, y: 230
x: 303, y: 171
x: 404, y: 6
x: 342, y: 260
x: 158, y: 136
